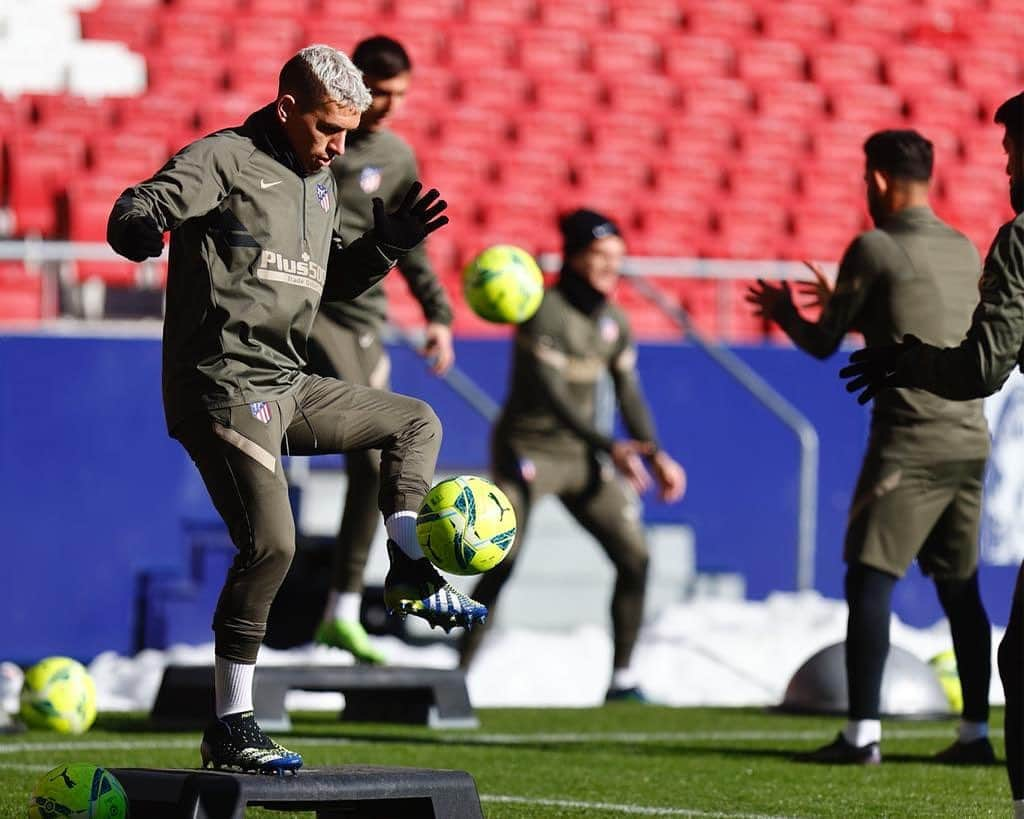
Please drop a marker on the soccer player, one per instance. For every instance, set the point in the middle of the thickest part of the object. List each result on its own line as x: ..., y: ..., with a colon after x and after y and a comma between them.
x: 254, y: 221
x: 546, y: 440
x: 919, y: 491
x: 345, y: 342
x: 978, y: 366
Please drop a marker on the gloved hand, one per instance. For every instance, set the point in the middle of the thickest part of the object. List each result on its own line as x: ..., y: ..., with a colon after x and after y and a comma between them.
x: 410, y: 223
x: 877, y: 368
x: 137, y: 238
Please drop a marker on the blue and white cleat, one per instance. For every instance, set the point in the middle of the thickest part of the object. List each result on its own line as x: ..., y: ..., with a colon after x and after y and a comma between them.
x: 415, y: 587
x: 237, y: 743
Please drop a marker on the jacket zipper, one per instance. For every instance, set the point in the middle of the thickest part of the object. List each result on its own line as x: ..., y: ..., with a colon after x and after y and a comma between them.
x: 305, y: 240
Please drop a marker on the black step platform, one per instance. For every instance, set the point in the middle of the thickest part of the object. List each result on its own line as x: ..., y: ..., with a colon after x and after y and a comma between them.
x: 417, y: 696
x: 349, y: 791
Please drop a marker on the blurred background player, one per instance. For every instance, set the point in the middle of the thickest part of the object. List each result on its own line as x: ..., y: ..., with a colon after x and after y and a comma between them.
x: 546, y: 440
x: 253, y: 215
x: 993, y: 346
x: 346, y: 339
x: 918, y: 495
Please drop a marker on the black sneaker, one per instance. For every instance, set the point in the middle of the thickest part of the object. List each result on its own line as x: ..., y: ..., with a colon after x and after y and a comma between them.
x: 841, y: 752
x: 415, y: 587
x: 632, y: 694
x: 237, y: 743
x: 976, y: 752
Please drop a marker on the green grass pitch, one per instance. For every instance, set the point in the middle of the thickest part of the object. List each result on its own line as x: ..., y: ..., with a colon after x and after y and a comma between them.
x: 620, y: 760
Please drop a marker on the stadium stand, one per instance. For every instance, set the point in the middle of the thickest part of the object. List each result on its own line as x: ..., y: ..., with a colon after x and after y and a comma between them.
x: 675, y: 116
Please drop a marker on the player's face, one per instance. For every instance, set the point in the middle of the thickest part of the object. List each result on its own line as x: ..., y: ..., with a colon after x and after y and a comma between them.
x: 316, y: 135
x: 601, y: 262
x: 1014, y: 170
x: 388, y: 97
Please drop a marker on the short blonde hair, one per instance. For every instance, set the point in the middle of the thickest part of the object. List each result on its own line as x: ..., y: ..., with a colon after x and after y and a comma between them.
x: 319, y: 73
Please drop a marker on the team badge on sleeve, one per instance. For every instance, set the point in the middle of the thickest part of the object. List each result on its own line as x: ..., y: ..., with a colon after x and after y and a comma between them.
x: 609, y: 329
x: 260, y: 411
x: 369, y: 179
x: 323, y: 197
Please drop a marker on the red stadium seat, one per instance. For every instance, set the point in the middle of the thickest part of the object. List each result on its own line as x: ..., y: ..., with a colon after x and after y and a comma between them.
x: 254, y: 76
x: 540, y: 174
x: 507, y: 14
x: 475, y: 129
x: 544, y: 51
x: 764, y: 170
x: 718, y: 96
x: 610, y: 171
x: 771, y: 61
x: 72, y: 114
x: 89, y: 202
x: 567, y: 92
x: 218, y: 111
x: 126, y: 157
x: 171, y: 113
x: 656, y: 97
x: 838, y: 142
x: 774, y: 137
x: 471, y: 48
x: 39, y: 165
x: 798, y: 102
x: 171, y: 74
x: 265, y: 36
x: 431, y: 87
x: 346, y: 28
x: 680, y: 175
x: 612, y: 52
x: 649, y: 16
x: 548, y: 131
x: 584, y: 15
x: 983, y: 148
x: 692, y: 57
x: 425, y: 11
x: 608, y: 137
x: 135, y: 27
x: 982, y: 69
x: 191, y: 33
x: 944, y: 106
x: 915, y: 66
x: 798, y: 22
x: 733, y: 20
x: 496, y: 89
x: 844, y: 63
x: 701, y: 138
x: 879, y: 26
x: 870, y: 106
x: 21, y: 293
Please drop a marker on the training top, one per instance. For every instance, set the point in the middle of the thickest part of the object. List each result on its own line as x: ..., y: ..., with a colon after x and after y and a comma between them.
x: 559, y: 356
x: 994, y: 343
x: 254, y: 247
x: 913, y: 274
x: 381, y: 164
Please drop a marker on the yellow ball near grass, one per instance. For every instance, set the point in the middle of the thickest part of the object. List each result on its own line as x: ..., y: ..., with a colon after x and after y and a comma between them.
x: 944, y: 666
x: 78, y: 790
x: 58, y: 694
x: 466, y: 525
x: 503, y: 284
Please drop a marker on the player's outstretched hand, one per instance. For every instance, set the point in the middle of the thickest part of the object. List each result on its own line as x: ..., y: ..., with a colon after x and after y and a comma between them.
x: 877, y: 368
x: 819, y: 291
x: 628, y: 455
x: 770, y: 300
x: 670, y: 476
x: 412, y: 221
x: 437, y: 347
x: 137, y: 239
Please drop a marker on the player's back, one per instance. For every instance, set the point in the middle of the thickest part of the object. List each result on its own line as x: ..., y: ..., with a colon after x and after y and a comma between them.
x: 926, y: 284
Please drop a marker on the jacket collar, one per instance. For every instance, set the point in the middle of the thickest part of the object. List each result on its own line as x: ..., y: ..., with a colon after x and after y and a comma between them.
x: 268, y: 135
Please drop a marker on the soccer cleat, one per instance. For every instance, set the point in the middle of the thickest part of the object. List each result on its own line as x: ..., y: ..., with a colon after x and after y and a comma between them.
x: 415, y: 587
x: 631, y: 694
x: 976, y: 752
x: 237, y: 743
x: 350, y: 636
x: 841, y: 752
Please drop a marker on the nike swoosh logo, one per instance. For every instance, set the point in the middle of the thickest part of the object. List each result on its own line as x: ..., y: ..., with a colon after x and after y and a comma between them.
x: 264, y: 185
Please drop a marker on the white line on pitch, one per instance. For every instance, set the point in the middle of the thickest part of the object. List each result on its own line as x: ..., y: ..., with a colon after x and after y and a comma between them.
x: 630, y: 810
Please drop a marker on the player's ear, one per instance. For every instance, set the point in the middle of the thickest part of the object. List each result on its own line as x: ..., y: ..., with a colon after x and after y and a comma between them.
x: 285, y: 107
x: 881, y: 181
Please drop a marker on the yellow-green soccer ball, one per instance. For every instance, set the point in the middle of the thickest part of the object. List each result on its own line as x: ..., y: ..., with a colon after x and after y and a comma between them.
x: 503, y: 284
x: 944, y: 666
x: 60, y: 695
x: 78, y: 790
x: 466, y: 525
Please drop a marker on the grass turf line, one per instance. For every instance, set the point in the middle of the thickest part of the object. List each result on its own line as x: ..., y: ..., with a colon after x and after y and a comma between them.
x: 625, y: 759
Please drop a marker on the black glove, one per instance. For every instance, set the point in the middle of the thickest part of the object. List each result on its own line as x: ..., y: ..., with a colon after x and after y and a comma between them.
x: 137, y: 238
x: 409, y: 224
x: 877, y: 368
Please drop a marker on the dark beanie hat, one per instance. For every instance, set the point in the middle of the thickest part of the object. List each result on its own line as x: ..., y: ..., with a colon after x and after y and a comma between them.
x: 581, y: 227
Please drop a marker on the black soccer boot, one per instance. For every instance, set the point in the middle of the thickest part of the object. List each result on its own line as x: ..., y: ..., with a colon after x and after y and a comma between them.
x: 237, y: 743
x: 842, y: 752
x: 976, y: 752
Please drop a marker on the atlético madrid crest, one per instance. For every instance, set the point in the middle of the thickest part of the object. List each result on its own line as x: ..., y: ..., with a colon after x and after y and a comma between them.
x: 369, y: 179
x: 260, y: 411
x: 323, y: 197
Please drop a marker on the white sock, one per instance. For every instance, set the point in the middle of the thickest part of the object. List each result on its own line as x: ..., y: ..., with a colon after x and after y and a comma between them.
x: 861, y: 732
x: 970, y: 731
x: 401, y: 528
x: 233, y: 683
x: 1018, y: 809
x: 343, y: 606
x: 624, y: 678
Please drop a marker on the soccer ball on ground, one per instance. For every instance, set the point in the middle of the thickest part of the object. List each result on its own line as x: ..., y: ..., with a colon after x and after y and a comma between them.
x: 503, y: 284
x: 78, y: 790
x: 466, y: 525
x: 60, y: 695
